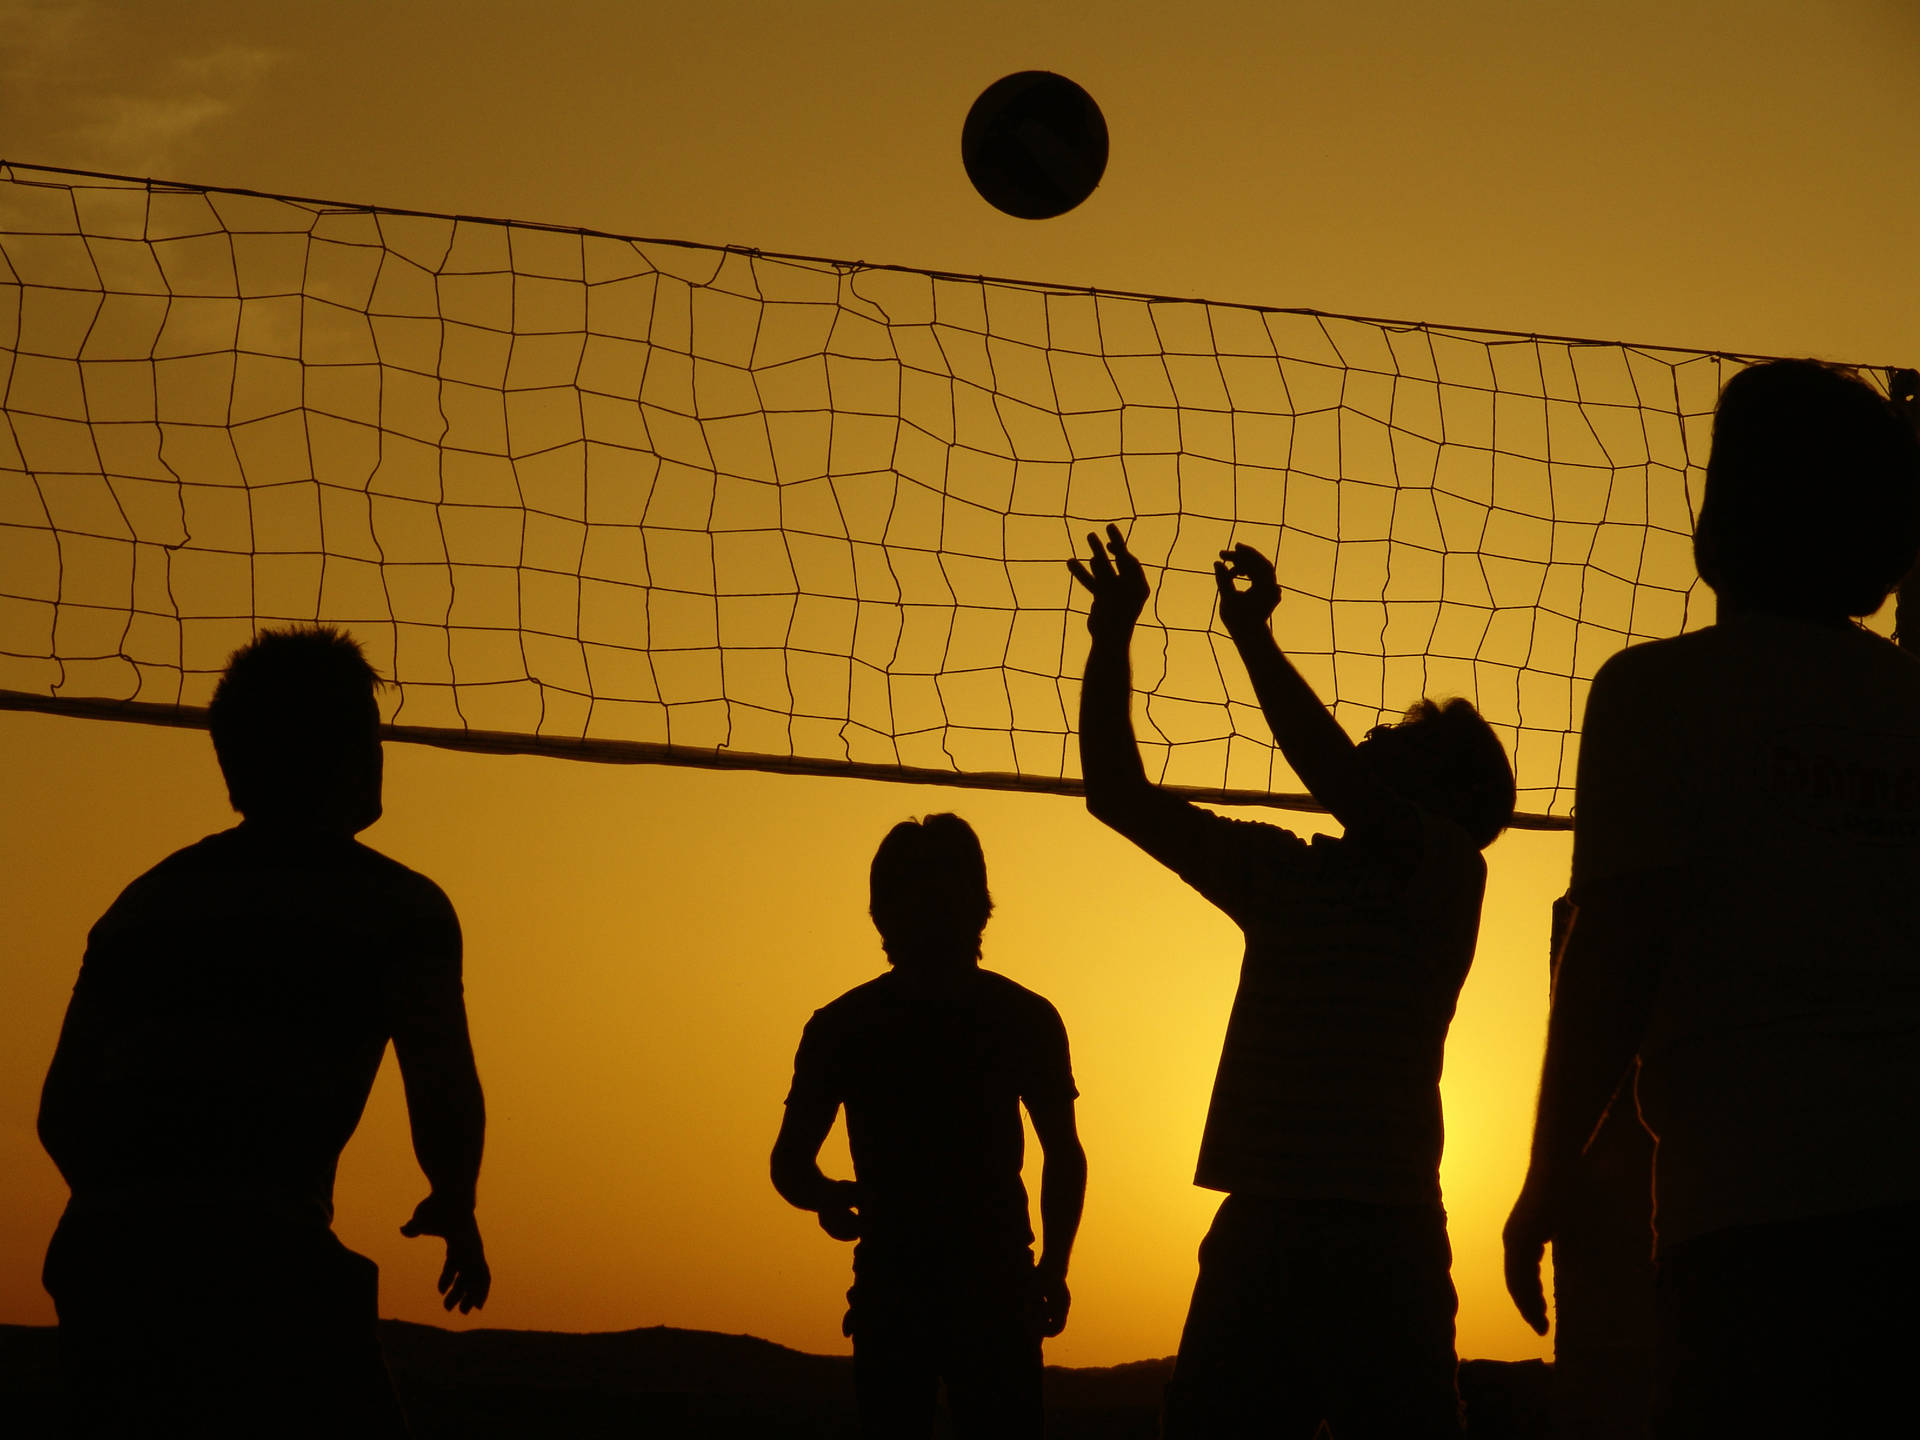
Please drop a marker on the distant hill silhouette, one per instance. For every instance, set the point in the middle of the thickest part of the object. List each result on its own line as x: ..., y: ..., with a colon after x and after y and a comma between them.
x: 667, y: 1384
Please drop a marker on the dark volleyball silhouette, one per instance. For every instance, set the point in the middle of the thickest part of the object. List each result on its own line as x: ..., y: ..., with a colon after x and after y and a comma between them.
x: 1035, y: 144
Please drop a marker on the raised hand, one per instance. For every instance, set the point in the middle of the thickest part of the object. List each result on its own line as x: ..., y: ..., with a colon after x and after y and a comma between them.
x: 465, y: 1279
x: 1248, y: 608
x: 839, y: 1217
x: 1118, y: 585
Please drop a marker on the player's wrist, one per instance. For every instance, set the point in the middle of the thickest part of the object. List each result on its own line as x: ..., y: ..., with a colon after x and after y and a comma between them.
x: 453, y: 1204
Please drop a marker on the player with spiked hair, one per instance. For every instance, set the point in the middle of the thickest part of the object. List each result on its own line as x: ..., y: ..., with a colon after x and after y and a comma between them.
x: 229, y: 1019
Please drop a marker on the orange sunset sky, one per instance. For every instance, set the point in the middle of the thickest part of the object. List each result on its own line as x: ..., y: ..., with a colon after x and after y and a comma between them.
x: 644, y: 944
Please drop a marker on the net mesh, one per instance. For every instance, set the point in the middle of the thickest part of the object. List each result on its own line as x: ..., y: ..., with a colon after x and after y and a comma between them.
x: 656, y: 499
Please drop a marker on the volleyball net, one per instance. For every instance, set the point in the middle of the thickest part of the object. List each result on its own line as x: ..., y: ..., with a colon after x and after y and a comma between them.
x: 636, y: 499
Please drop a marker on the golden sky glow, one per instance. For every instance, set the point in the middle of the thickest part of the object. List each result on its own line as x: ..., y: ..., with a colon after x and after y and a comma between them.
x: 644, y: 945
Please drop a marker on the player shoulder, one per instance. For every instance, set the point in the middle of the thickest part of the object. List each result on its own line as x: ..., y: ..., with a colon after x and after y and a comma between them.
x: 403, y: 887
x: 184, y: 866
x: 863, y: 999
x: 1012, y: 995
x: 1656, y: 662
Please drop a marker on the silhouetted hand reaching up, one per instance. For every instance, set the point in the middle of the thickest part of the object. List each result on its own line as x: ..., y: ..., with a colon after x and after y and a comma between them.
x: 1118, y: 586
x: 465, y: 1278
x: 1250, y: 608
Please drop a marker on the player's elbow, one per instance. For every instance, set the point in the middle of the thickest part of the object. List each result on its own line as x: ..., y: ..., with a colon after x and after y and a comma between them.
x: 788, y: 1174
x: 59, y: 1133
x: 1068, y: 1158
x: 53, y: 1137
x: 1114, y: 800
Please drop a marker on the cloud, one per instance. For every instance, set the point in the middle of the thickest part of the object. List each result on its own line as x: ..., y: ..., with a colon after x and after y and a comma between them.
x: 146, y: 131
x: 88, y: 85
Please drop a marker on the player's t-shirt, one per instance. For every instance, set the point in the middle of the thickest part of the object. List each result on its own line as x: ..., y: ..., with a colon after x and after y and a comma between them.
x: 1357, y: 946
x: 932, y: 1072
x: 238, y: 999
x: 1777, y: 764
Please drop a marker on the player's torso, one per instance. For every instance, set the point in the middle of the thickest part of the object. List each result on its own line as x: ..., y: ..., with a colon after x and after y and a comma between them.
x: 1329, y: 1072
x: 1782, y: 1059
x: 244, y: 990
x: 932, y: 1087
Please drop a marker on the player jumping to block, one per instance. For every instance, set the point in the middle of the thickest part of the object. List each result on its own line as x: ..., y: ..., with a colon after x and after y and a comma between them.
x: 1324, y: 1288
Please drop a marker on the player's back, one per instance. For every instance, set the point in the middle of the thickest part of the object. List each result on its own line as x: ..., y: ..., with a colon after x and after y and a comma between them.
x: 239, y: 998
x: 1782, y: 1061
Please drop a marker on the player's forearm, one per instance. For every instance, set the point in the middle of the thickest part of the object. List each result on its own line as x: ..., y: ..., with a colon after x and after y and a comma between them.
x: 1320, y: 752
x: 1109, y: 752
x: 448, y: 1114
x: 1063, y: 1194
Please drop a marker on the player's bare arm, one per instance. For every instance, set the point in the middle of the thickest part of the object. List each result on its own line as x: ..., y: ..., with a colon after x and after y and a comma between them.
x: 1320, y: 752
x: 797, y: 1174
x: 1118, y: 791
x: 1063, y: 1194
x: 1603, y: 993
x: 448, y: 1115
x: 1617, y: 947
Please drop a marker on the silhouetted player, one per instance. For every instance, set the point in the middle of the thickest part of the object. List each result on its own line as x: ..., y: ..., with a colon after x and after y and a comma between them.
x: 1746, y: 866
x: 932, y: 1061
x: 224, y: 1034
x: 1324, y: 1289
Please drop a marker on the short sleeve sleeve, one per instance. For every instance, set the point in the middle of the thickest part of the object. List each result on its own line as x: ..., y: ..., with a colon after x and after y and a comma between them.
x: 1233, y: 863
x: 1049, y: 1068
x: 425, y: 994
x: 816, y: 1078
x: 1634, y: 795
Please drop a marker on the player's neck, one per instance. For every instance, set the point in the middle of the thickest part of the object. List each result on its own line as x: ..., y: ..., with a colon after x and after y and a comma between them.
x: 296, y: 829
x: 1734, y: 611
x: 935, y: 963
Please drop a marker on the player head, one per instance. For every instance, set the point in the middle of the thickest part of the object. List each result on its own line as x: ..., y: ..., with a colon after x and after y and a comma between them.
x: 929, y: 897
x: 297, y: 730
x: 1445, y: 758
x: 1812, y: 503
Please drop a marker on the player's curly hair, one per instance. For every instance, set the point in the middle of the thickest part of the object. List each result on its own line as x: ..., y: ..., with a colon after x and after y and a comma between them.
x: 290, y: 704
x: 1462, y: 771
x: 928, y: 888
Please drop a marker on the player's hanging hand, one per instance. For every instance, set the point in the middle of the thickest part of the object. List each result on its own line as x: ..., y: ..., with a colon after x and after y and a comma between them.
x: 1250, y: 608
x: 465, y: 1278
x: 839, y: 1217
x: 1118, y: 585
x: 1529, y: 1230
x: 1049, y: 1301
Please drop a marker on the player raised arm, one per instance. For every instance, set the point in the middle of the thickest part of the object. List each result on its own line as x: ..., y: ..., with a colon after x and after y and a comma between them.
x: 1118, y: 791
x: 1320, y: 752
